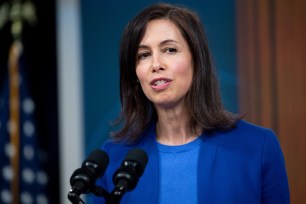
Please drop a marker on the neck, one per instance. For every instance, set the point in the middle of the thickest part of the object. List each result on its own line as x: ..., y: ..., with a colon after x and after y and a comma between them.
x: 172, y: 127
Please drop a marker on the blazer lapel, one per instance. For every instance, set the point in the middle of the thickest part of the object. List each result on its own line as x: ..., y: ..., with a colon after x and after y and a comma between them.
x: 147, y: 190
x: 207, y: 155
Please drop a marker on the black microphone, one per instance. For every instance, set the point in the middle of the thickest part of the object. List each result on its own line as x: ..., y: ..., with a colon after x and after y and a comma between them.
x: 127, y: 175
x: 84, y: 178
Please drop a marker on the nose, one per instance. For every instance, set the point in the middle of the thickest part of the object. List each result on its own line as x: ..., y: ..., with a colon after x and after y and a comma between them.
x: 157, y: 67
x: 157, y: 64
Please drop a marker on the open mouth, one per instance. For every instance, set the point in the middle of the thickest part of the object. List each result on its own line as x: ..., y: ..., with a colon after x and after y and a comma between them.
x: 159, y: 82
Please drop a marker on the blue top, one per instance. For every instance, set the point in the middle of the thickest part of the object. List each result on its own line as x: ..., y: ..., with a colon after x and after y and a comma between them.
x: 177, y: 165
x: 242, y: 165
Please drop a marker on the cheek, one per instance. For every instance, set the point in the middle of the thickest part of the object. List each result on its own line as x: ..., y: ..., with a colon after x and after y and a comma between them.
x: 140, y: 73
x: 184, y: 69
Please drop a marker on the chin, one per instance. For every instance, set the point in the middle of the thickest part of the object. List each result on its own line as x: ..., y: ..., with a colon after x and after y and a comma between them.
x: 165, y: 104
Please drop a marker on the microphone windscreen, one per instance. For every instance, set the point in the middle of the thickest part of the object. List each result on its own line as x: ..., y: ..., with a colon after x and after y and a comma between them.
x: 139, y: 156
x: 98, y: 159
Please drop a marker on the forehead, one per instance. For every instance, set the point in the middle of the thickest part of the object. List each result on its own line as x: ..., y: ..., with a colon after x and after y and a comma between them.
x: 161, y: 29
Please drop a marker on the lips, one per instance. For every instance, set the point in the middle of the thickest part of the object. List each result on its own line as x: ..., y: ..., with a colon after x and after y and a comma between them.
x: 160, y: 83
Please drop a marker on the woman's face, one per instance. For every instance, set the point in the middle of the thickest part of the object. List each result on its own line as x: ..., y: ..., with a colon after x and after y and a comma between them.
x: 164, y: 64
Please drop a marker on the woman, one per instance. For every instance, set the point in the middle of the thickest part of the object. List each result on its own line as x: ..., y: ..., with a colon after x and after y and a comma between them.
x: 171, y: 108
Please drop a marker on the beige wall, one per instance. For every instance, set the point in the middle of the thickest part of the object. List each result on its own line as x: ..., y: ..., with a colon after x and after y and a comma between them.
x: 271, y: 42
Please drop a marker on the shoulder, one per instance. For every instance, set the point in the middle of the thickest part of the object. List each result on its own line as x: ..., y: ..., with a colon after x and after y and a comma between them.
x: 145, y: 141
x: 246, y: 128
x: 247, y: 137
x: 248, y: 131
x: 116, y: 149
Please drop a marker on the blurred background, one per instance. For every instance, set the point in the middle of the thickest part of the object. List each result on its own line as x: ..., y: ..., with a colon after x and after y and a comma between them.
x: 59, y: 82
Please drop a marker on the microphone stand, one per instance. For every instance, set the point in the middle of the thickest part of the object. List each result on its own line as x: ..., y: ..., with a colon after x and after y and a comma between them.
x: 116, y: 195
x: 111, y: 198
x: 74, y: 194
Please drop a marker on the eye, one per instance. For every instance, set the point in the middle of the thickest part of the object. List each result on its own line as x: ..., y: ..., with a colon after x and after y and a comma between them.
x: 170, y: 50
x: 143, y: 55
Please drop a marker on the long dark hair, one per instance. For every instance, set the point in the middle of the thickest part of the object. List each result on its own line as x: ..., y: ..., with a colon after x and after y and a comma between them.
x: 203, y: 98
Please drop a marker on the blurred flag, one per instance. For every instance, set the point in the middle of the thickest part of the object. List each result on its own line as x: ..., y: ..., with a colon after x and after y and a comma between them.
x: 22, y: 179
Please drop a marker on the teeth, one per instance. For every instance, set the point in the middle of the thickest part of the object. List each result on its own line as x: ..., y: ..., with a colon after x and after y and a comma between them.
x: 159, y: 82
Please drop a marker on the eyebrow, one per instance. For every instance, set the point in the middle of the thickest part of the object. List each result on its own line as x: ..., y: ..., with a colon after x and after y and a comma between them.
x: 161, y: 43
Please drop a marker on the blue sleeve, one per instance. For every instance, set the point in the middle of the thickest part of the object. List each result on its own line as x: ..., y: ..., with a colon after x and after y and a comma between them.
x: 275, y: 187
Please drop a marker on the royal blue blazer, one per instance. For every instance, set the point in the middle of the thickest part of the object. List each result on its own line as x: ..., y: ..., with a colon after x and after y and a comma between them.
x: 244, y: 165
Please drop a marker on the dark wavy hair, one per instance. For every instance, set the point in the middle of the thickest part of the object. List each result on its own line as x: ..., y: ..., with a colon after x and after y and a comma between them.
x: 203, y: 99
